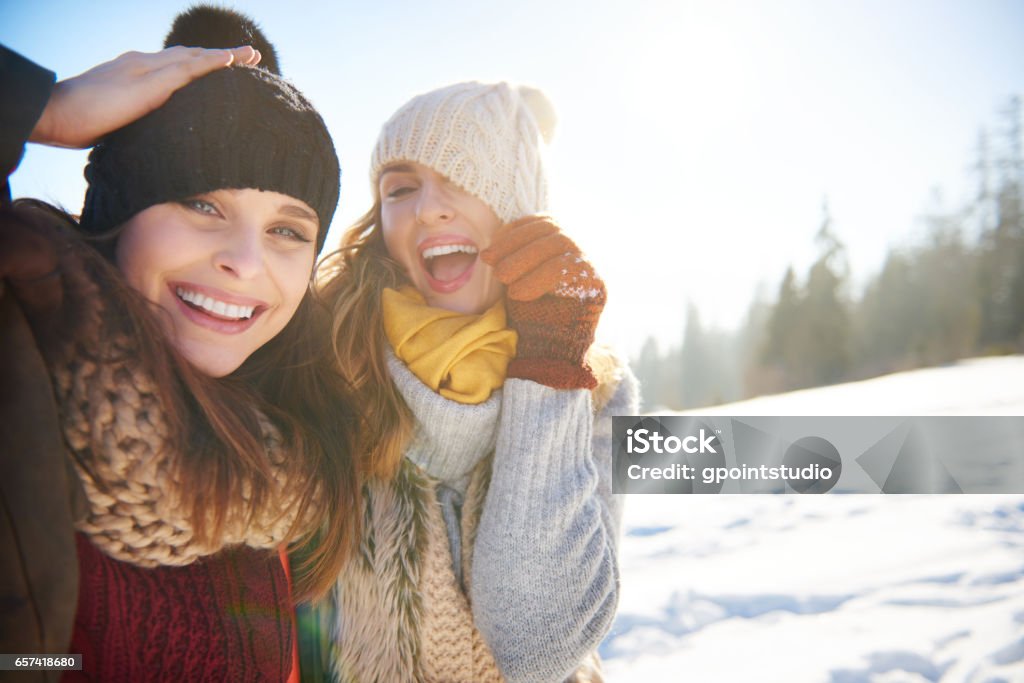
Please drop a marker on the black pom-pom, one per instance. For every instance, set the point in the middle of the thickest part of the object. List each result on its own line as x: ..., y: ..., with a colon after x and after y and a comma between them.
x: 219, y: 27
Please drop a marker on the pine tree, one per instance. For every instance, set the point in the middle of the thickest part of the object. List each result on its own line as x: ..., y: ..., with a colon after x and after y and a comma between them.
x: 827, y: 353
x: 1001, y: 258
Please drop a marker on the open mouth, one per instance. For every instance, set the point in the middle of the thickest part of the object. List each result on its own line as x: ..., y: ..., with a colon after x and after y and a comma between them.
x: 448, y: 262
x: 448, y: 266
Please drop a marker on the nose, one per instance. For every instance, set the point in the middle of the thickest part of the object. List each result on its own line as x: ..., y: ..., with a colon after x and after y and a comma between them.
x: 434, y: 204
x: 242, y: 253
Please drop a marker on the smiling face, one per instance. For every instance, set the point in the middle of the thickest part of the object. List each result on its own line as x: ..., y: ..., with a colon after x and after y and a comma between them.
x: 436, y: 231
x: 229, y: 267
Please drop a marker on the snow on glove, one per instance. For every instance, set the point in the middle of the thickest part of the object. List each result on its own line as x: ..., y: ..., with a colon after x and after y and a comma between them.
x: 555, y: 299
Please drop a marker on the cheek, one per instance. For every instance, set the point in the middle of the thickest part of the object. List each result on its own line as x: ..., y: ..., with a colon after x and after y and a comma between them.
x: 291, y: 279
x: 486, y: 221
x: 494, y: 290
x: 396, y: 233
x: 293, y: 276
x: 492, y: 229
x: 135, y: 255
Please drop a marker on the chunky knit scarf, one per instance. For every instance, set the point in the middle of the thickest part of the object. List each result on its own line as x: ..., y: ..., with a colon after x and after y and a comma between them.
x: 402, y: 615
x: 462, y: 357
x: 114, y: 425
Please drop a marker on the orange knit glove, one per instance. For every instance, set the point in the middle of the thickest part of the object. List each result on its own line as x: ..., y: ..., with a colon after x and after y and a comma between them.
x: 555, y: 299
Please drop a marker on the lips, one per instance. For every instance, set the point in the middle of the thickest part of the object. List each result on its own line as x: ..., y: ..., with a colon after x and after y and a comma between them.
x: 215, y: 309
x: 448, y: 261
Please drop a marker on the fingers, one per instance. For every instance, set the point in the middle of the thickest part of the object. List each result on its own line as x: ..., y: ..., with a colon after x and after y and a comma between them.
x: 521, y: 262
x: 202, y: 59
x: 249, y: 56
x: 159, y: 74
x: 542, y: 280
x: 532, y: 257
x: 85, y: 108
x: 569, y: 276
x: 194, y: 63
x: 188, y: 65
x: 245, y: 56
x: 165, y: 81
x: 516, y: 235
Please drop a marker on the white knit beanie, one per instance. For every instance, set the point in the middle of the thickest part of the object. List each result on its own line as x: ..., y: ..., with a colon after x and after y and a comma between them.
x: 486, y: 138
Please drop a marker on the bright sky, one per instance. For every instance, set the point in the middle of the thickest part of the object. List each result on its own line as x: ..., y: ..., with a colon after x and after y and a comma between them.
x: 696, y: 140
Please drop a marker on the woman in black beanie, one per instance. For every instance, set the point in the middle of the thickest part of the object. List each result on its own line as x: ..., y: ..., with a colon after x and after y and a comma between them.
x: 164, y: 360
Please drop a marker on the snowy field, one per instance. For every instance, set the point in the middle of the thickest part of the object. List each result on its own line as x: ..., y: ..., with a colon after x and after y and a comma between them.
x: 833, y: 588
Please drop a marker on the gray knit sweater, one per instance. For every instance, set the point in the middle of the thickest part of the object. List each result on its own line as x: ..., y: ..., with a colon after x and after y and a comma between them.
x: 544, y: 583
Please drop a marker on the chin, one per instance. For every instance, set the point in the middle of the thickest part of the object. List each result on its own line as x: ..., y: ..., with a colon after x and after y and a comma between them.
x: 456, y: 302
x: 467, y: 301
x: 464, y: 307
x: 216, y: 370
x: 212, y: 365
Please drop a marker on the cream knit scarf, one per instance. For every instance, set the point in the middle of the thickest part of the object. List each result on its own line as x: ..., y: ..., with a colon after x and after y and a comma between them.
x: 112, y: 420
x: 402, y: 616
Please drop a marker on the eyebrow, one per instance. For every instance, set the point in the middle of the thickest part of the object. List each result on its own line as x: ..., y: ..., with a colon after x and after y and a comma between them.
x: 396, y: 168
x: 297, y: 211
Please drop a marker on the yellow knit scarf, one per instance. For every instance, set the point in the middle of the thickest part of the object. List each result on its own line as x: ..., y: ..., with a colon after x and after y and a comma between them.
x: 462, y: 357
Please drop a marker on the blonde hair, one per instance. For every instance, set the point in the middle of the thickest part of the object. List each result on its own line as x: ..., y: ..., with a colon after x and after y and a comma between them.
x: 350, y: 281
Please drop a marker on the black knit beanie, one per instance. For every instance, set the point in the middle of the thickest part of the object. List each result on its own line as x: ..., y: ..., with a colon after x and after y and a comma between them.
x: 236, y: 128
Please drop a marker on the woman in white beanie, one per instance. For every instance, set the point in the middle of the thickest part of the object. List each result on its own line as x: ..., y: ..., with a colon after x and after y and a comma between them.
x: 465, y: 319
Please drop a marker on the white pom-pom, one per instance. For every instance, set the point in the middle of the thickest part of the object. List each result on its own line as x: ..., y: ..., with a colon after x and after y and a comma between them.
x: 542, y: 109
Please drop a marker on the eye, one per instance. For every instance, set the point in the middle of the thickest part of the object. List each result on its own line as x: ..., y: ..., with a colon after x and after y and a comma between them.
x: 288, y: 232
x: 397, y: 190
x: 200, y: 206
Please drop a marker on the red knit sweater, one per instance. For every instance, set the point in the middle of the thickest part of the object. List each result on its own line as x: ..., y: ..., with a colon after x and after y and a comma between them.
x: 227, y: 617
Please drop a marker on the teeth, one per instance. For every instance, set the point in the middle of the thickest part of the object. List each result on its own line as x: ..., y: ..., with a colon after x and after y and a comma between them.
x: 433, y: 252
x: 212, y: 305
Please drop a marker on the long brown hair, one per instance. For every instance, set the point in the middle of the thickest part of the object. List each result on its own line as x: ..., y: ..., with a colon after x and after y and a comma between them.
x: 351, y: 281
x: 215, y: 424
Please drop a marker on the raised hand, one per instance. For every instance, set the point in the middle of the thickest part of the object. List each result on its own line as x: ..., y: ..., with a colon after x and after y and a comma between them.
x: 555, y: 299
x: 85, y: 108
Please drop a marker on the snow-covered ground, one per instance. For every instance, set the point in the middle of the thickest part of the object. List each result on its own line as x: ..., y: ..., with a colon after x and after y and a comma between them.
x: 834, y: 588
